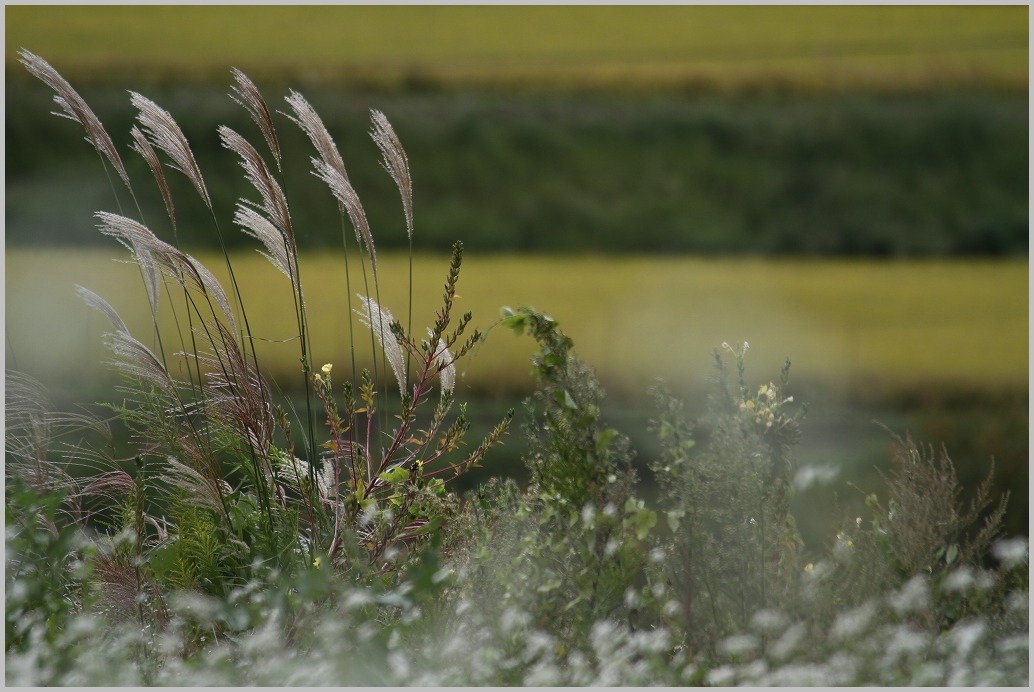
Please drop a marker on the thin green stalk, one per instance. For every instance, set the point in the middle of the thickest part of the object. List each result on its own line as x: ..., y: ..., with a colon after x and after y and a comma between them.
x: 373, y: 335
x: 409, y: 326
x: 302, y: 320
x: 348, y: 299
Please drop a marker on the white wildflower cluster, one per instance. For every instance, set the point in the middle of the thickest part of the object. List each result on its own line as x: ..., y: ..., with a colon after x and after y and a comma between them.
x: 878, y: 643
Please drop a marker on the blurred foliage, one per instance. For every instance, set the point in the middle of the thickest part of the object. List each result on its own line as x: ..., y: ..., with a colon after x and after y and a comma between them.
x: 764, y: 173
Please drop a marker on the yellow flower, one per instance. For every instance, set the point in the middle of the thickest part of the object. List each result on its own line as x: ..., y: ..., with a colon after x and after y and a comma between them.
x: 326, y: 368
x: 316, y: 563
x: 809, y: 567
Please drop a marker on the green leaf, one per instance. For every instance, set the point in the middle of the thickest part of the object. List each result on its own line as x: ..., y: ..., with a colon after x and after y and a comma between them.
x: 645, y: 519
x: 953, y: 552
x: 514, y: 320
x: 563, y: 398
x: 395, y: 475
x: 430, y: 527
x: 162, y: 560
x: 604, y: 437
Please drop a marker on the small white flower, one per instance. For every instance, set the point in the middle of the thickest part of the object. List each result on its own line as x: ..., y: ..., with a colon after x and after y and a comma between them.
x: 588, y: 515
x: 1011, y: 551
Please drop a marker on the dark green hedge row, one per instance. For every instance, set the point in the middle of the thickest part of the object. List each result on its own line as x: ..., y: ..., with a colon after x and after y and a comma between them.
x: 928, y: 174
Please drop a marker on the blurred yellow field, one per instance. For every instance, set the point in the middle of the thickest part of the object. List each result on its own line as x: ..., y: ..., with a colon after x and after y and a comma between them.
x: 560, y: 45
x: 843, y: 323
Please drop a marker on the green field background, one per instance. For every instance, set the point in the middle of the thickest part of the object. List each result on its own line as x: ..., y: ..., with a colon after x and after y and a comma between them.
x: 565, y: 46
x: 860, y: 325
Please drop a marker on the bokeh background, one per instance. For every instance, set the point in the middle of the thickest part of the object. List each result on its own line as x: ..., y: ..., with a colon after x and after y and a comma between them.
x: 846, y: 186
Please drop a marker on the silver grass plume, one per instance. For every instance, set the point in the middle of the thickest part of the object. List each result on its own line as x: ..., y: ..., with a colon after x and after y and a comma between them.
x: 98, y: 303
x: 249, y: 97
x: 28, y: 433
x: 27, y: 424
x: 238, y: 397
x: 148, y: 251
x: 201, y: 491
x: 297, y: 473
x: 374, y: 314
x: 132, y: 357
x: 311, y: 124
x: 115, y: 484
x: 347, y: 197
x: 274, y: 229
x: 256, y: 172
x: 395, y: 162
x: 165, y: 134
x: 144, y: 148
x: 259, y: 227
x: 206, y: 282
x: 446, y: 365
x: 34, y: 434
x: 74, y: 108
x: 330, y: 168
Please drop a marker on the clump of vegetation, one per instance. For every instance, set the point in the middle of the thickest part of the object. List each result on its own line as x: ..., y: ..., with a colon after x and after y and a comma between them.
x: 221, y: 486
x: 234, y: 544
x: 733, y: 547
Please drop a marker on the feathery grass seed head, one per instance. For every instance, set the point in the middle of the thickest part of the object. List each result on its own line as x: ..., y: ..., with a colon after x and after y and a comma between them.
x: 249, y: 97
x: 74, y: 108
x: 379, y: 319
x: 165, y: 134
x: 395, y: 162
